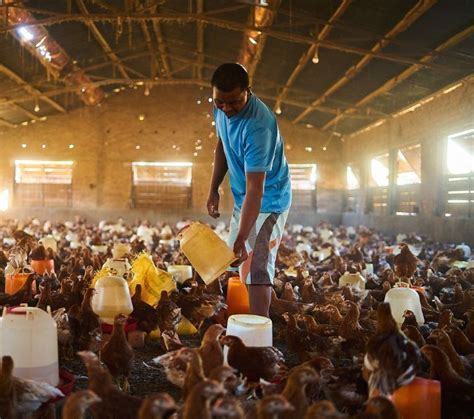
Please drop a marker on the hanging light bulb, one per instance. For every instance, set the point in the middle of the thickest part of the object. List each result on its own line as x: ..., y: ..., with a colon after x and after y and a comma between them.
x: 37, y: 108
x: 278, y: 110
x: 325, y: 148
x: 147, y: 91
x: 252, y: 40
x: 315, y: 58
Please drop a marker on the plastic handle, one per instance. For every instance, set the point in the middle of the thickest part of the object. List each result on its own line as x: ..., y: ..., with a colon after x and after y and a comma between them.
x: 179, y: 235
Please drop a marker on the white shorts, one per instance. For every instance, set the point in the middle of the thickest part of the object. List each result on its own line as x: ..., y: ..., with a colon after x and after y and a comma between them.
x: 262, y: 246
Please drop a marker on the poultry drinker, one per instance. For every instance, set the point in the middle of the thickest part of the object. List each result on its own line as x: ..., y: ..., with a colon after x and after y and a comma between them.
x: 29, y: 336
x: 253, y: 330
x: 119, y: 267
x: 49, y: 243
x: 402, y: 298
x: 206, y: 251
x: 354, y: 280
x: 112, y: 297
x: 180, y: 272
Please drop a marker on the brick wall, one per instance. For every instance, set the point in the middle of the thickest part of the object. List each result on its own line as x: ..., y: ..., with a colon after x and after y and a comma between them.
x: 105, y: 140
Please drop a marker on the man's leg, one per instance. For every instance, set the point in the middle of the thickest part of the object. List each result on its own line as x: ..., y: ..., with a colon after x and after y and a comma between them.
x: 259, y: 269
x: 259, y: 299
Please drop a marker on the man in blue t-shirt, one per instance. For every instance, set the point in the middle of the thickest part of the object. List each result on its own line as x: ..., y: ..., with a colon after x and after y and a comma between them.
x: 250, y: 148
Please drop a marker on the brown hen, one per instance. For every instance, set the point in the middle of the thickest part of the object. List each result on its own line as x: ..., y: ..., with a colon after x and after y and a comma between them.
x: 77, y: 403
x: 251, y: 361
x: 145, y: 315
x: 117, y: 354
x: 295, y: 390
x: 198, y: 403
x: 157, y: 406
x: 405, y: 262
x: 115, y: 403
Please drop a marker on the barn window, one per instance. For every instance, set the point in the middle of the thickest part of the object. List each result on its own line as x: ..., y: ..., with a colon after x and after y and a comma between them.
x: 303, y: 183
x: 353, y: 188
x: 40, y: 183
x: 378, y: 182
x: 408, y: 172
x: 162, y: 184
x: 460, y: 177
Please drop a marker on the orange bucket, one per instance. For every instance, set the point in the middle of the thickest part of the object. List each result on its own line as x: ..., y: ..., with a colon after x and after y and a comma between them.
x: 421, y: 399
x: 237, y: 297
x: 14, y: 282
x: 42, y: 266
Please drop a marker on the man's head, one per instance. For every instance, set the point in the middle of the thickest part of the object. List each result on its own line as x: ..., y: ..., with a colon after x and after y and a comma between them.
x: 230, y: 88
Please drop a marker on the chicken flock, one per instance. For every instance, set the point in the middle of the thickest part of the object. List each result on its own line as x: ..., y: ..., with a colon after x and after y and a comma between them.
x: 341, y: 354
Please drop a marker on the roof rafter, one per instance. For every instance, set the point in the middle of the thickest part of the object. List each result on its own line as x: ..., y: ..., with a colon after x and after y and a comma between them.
x: 227, y: 24
x: 30, y: 89
x: 309, y: 54
x: 186, y: 64
x: 7, y: 123
x: 413, y: 14
x: 146, y: 34
x: 394, y: 81
x: 200, y: 39
x: 24, y: 111
x: 466, y: 80
x: 253, y: 41
x: 161, y: 44
x: 101, y: 40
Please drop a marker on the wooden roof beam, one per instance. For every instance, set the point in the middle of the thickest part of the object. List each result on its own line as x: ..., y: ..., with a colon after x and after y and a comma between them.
x: 149, y: 43
x: 161, y: 43
x: 309, y: 54
x: 394, y: 81
x: 466, y: 80
x: 6, y: 123
x: 223, y: 23
x: 412, y: 16
x: 200, y: 39
x: 30, y: 89
x: 254, y: 40
x: 102, y: 41
x: 24, y: 111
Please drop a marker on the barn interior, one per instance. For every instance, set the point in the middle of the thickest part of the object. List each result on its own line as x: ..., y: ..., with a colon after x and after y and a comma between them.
x: 107, y: 139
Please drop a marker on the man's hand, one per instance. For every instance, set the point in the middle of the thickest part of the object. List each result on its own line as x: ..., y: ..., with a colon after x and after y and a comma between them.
x: 240, y: 252
x: 213, y: 204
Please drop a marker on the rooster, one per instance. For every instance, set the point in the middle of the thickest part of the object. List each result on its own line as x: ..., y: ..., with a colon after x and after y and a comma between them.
x: 391, y: 359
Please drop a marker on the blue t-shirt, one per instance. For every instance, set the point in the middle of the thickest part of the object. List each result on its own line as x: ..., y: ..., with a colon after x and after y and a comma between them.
x: 252, y: 143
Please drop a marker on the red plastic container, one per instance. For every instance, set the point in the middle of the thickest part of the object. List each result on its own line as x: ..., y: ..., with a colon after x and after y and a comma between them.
x: 130, y: 326
x: 237, y: 297
x: 421, y: 399
x: 13, y: 283
x: 42, y: 266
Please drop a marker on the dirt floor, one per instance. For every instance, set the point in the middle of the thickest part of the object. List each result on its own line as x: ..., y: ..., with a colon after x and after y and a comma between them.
x: 147, y: 379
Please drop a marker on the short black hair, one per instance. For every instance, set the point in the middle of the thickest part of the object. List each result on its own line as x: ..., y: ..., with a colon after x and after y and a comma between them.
x: 228, y: 76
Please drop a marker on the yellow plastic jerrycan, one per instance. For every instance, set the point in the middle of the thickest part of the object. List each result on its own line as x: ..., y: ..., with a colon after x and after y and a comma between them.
x: 206, y: 251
